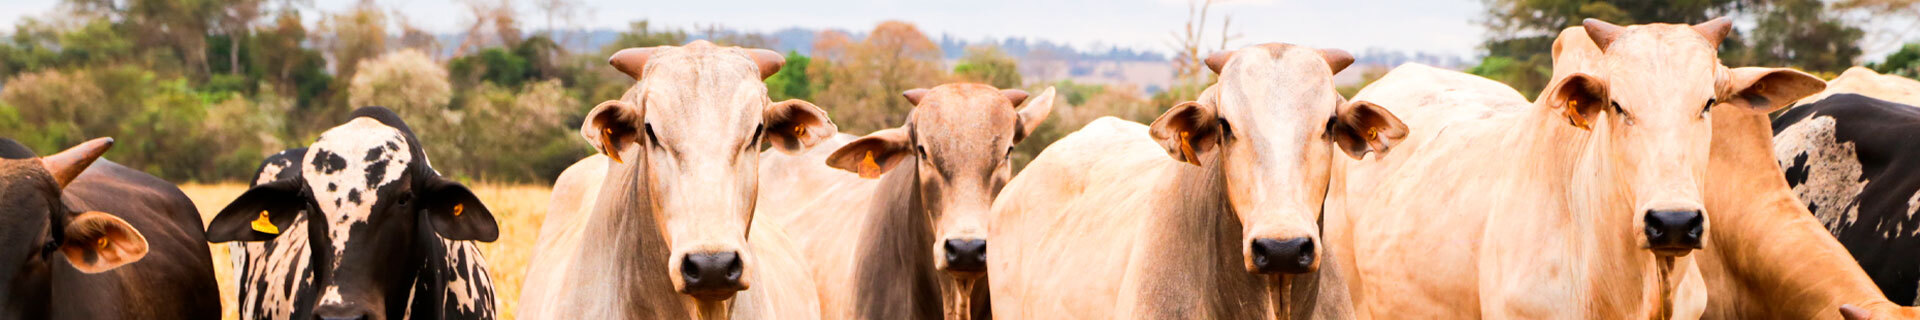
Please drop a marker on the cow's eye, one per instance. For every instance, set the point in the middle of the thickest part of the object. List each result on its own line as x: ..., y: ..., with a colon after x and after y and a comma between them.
x: 1226, y: 130
x: 48, y: 247
x: 404, y: 200
x: 1709, y: 107
x: 755, y: 140
x: 922, y: 151
x: 651, y: 138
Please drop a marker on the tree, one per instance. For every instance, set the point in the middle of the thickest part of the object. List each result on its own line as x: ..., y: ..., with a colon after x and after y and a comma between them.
x: 406, y: 81
x: 863, y: 82
x: 1802, y: 34
x: 792, y: 81
x: 987, y: 64
x: 1905, y: 63
x: 359, y: 33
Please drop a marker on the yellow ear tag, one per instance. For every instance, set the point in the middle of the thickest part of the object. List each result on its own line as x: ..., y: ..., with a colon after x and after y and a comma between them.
x: 606, y: 142
x: 868, y: 168
x: 459, y: 207
x: 1573, y: 115
x: 1186, y: 149
x: 264, y: 225
x: 100, y: 245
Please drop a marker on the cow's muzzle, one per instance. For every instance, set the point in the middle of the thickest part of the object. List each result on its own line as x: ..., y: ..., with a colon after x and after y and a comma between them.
x: 966, y: 255
x: 1674, y: 232
x: 711, y: 274
x: 1277, y: 256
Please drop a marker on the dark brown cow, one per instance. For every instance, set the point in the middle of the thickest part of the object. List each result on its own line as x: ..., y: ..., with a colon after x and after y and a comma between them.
x: 96, y: 240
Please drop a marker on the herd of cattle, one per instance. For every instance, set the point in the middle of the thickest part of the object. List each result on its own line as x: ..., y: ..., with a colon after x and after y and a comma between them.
x: 1647, y: 181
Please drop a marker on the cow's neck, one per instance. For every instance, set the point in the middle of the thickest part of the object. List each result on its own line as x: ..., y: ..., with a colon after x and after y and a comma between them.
x: 1764, y: 247
x: 623, y: 234
x: 1191, y: 256
x: 896, y: 252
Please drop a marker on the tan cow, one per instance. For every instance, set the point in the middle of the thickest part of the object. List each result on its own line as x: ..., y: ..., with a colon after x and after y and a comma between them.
x: 1585, y: 203
x: 657, y: 227
x: 909, y: 240
x: 1104, y: 224
x: 1768, y: 257
x: 1872, y: 84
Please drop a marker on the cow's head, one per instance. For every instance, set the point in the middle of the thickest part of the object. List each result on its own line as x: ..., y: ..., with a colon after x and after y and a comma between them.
x: 376, y: 203
x: 689, y: 132
x: 1657, y: 86
x: 960, y: 136
x: 45, y: 235
x: 1271, y: 127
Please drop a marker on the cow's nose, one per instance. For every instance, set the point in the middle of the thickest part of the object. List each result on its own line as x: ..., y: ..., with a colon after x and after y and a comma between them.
x: 1291, y: 255
x: 1670, y: 231
x: 344, y: 318
x: 967, y: 255
x: 711, y: 272
x: 337, y: 311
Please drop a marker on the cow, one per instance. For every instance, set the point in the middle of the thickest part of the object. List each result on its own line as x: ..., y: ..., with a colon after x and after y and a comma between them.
x: 1208, y: 213
x: 1852, y: 159
x: 657, y: 225
x: 386, y: 236
x: 918, y: 195
x: 92, y: 239
x: 1781, y: 245
x: 1584, y: 203
x: 1863, y: 81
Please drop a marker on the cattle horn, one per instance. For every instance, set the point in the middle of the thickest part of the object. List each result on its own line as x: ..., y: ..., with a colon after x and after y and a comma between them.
x: 768, y: 60
x: 632, y: 61
x: 1337, y: 59
x: 913, y: 95
x: 1016, y: 95
x: 1715, y: 30
x: 1218, y: 60
x: 1603, y: 33
x: 67, y: 165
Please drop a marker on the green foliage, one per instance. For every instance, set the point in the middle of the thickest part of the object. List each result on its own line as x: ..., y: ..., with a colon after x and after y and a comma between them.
x: 1905, y: 63
x: 989, y: 65
x: 1800, y: 33
x: 792, y: 81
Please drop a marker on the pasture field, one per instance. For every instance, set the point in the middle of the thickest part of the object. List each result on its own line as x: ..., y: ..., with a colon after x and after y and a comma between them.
x: 519, y: 208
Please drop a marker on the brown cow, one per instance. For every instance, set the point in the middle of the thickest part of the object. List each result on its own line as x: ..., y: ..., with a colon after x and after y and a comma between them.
x: 95, y: 240
x: 1764, y: 241
x: 1104, y: 225
x: 1585, y: 203
x: 912, y: 245
x: 657, y: 227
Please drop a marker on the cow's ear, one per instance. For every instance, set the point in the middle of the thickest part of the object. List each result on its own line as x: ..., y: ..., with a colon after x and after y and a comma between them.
x: 1581, y: 97
x: 612, y: 128
x: 456, y: 214
x: 258, y: 214
x: 873, y: 154
x: 1766, y: 89
x: 96, y: 242
x: 1360, y: 127
x: 1033, y: 112
x: 1190, y: 132
x: 795, y: 125
x: 67, y: 165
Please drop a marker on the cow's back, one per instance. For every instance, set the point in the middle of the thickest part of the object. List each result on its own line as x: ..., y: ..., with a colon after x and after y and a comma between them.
x: 1855, y: 161
x: 1863, y: 81
x: 174, y: 281
x: 1064, y: 229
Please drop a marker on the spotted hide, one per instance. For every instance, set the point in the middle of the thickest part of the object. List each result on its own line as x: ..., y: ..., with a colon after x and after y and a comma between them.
x: 1855, y: 161
x: 391, y: 237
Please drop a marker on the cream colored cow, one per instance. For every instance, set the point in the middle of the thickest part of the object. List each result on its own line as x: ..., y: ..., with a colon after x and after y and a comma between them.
x: 908, y: 240
x: 1768, y: 257
x: 658, y: 226
x: 1104, y: 224
x: 1872, y: 84
x: 1583, y: 204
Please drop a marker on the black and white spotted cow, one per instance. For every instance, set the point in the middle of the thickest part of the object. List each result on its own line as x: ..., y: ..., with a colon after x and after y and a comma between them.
x: 1855, y: 161
x: 391, y: 237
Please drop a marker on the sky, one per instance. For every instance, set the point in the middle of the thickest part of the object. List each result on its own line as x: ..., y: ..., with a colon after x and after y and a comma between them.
x: 1436, y: 26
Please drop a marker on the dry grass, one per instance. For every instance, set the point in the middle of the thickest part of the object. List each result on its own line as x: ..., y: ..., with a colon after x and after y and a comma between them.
x: 519, y: 209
